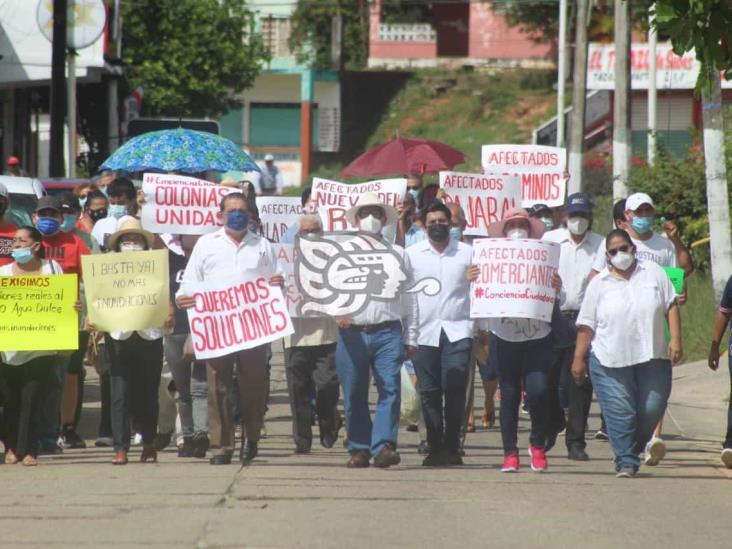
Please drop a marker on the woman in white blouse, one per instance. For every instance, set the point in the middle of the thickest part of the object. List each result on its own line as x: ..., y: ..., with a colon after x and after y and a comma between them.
x: 623, y: 316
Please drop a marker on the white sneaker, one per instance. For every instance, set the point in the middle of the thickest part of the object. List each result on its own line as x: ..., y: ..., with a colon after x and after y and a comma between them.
x: 137, y: 440
x: 727, y: 457
x: 655, y: 451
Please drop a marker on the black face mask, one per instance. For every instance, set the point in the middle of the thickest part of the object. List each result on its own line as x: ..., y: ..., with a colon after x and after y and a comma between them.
x: 96, y: 215
x: 438, y: 232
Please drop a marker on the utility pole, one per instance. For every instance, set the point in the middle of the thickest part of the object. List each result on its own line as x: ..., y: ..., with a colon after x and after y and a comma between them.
x: 579, y: 95
x: 652, y: 88
x: 71, y: 110
x: 621, y: 101
x: 112, y: 90
x: 58, y: 97
x: 561, y: 70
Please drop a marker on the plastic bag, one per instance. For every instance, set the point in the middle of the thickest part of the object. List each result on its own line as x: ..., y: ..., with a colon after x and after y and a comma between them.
x: 411, y: 410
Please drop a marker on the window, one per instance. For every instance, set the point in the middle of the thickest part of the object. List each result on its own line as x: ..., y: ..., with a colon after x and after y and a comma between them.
x: 275, y: 34
x: 278, y: 125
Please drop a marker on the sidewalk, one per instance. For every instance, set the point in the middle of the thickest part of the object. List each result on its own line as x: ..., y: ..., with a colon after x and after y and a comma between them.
x: 284, y: 500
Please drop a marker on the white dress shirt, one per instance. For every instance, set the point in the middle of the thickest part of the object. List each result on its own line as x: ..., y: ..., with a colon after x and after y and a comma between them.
x: 657, y: 249
x: 516, y: 330
x: 628, y: 316
x: 449, y: 310
x: 575, y: 264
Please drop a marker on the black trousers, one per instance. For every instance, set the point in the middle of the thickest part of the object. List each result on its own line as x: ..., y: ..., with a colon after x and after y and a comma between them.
x: 579, y: 398
x: 135, y: 367
x: 22, y: 402
x: 311, y: 370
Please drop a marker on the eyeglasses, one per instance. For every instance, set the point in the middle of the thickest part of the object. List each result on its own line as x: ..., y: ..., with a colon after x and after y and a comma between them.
x: 615, y: 251
x: 376, y: 211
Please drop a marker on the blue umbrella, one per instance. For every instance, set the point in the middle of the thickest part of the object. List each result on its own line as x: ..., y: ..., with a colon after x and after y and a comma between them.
x: 179, y: 150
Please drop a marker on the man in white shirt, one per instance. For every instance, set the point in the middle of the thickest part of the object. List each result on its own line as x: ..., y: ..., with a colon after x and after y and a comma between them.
x: 445, y: 334
x: 217, y: 255
x: 376, y: 339
x: 578, y: 248
x: 122, y: 203
x: 269, y: 181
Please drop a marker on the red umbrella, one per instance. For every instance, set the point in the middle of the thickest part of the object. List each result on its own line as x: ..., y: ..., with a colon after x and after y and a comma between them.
x: 404, y: 156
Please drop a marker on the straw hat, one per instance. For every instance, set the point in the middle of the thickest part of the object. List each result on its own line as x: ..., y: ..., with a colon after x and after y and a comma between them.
x: 130, y: 225
x: 536, y: 226
x: 370, y: 199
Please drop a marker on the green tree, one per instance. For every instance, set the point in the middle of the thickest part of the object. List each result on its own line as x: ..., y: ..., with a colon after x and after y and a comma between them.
x: 191, y: 56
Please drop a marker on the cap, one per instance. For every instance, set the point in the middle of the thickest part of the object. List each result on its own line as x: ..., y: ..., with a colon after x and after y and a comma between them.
x: 635, y: 201
x: 4, y: 191
x: 578, y: 203
x: 48, y: 203
x: 536, y: 208
x: 268, y: 158
x: 68, y: 200
x: 13, y: 161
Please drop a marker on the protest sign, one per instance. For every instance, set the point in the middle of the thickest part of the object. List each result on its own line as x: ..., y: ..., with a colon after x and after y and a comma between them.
x: 127, y: 291
x: 540, y: 168
x: 333, y: 199
x: 37, y: 313
x: 483, y: 198
x: 236, y: 313
x: 179, y: 204
x: 286, y: 257
x: 515, y: 279
x: 277, y: 214
x: 676, y: 276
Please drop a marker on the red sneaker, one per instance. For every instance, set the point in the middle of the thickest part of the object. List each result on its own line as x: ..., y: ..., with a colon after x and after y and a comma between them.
x: 538, y: 459
x: 510, y: 464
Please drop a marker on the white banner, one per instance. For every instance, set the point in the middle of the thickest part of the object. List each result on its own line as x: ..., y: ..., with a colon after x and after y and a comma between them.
x: 277, y: 214
x: 540, y: 168
x: 333, y: 199
x: 515, y: 279
x: 179, y: 204
x: 483, y: 198
x: 286, y: 256
x: 235, y: 314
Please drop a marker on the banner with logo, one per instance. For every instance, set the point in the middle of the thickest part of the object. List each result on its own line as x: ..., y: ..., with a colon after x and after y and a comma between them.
x: 286, y: 257
x: 515, y: 279
x: 37, y: 313
x: 127, y: 291
x: 484, y: 198
x: 237, y: 313
x: 540, y: 168
x: 179, y: 204
x: 277, y: 214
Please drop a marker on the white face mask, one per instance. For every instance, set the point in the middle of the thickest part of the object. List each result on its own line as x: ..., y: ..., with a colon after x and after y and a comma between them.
x: 131, y: 247
x: 517, y: 233
x: 578, y: 225
x: 370, y: 225
x: 622, y: 260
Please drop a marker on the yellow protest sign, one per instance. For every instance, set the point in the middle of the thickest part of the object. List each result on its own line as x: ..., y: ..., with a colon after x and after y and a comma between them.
x: 37, y: 313
x: 127, y: 291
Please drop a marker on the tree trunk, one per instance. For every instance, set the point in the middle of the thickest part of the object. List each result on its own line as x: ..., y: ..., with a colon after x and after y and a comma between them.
x: 579, y: 96
x: 621, y: 101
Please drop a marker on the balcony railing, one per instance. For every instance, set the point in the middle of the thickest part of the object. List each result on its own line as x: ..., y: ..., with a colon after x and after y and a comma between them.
x: 407, y: 32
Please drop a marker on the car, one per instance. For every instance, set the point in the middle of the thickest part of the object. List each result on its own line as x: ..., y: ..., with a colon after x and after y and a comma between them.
x: 24, y: 194
x: 56, y: 185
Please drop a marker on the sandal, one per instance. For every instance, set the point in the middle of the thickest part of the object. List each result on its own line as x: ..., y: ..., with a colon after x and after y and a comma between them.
x: 30, y: 461
x: 120, y: 458
x: 470, y: 424
x: 149, y: 454
x: 10, y: 458
x: 489, y: 415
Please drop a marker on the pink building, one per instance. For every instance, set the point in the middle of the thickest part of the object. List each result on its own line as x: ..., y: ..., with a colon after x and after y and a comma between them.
x: 459, y: 33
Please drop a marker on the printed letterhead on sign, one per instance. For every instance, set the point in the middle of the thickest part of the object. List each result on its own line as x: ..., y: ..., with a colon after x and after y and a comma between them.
x: 484, y: 198
x: 277, y: 214
x: 179, y: 204
x: 286, y: 257
x: 540, y: 168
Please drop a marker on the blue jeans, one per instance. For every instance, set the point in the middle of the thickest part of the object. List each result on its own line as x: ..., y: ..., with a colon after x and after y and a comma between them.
x: 443, y: 372
x: 633, y: 400
x: 382, y: 351
x: 526, y: 362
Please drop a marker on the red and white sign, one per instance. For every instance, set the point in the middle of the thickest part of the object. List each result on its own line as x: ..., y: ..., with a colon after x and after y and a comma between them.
x: 179, y: 204
x: 286, y: 256
x: 540, y: 168
x: 515, y: 279
x: 234, y: 314
x: 277, y: 214
x: 484, y: 198
x: 333, y: 199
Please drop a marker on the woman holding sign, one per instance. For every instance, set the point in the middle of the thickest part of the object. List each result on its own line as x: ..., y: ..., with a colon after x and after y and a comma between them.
x: 623, y: 315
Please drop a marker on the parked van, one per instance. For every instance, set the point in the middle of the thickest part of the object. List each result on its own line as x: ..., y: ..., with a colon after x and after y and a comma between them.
x: 24, y: 195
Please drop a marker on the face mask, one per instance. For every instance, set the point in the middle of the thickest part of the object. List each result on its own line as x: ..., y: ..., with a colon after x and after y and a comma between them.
x: 414, y: 193
x: 104, y: 191
x: 517, y: 233
x: 438, y: 232
x: 47, y: 225
x: 622, y: 260
x: 68, y: 223
x: 237, y: 220
x: 548, y: 223
x: 96, y: 215
x: 456, y: 233
x: 370, y: 225
x: 641, y: 224
x: 82, y: 201
x: 578, y: 225
x: 22, y: 255
x: 131, y: 247
x: 117, y: 210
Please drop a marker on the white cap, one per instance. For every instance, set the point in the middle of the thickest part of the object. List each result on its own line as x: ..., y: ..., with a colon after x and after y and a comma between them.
x: 268, y: 158
x: 635, y: 201
x: 4, y: 191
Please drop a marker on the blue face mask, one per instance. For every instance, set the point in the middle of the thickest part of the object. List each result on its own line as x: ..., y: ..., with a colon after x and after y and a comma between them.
x: 117, y: 211
x: 48, y: 225
x: 82, y: 201
x: 68, y: 223
x: 236, y: 220
x: 641, y: 224
x: 104, y: 191
x: 456, y: 233
x: 22, y: 255
x: 414, y: 193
